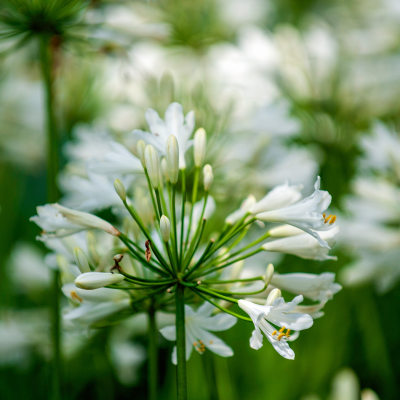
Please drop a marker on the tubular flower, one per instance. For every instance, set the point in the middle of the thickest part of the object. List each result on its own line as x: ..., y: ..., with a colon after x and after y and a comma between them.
x: 307, y: 214
x: 279, y: 314
x: 175, y: 124
x: 198, y: 325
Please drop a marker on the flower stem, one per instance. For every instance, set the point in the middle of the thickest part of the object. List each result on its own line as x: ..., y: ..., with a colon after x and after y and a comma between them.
x: 183, y: 213
x: 152, y: 379
x: 181, y: 381
x: 46, y: 61
x: 194, y: 198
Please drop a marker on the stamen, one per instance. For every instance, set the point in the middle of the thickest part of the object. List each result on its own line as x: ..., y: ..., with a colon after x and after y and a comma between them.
x: 274, y: 333
x: 282, y: 329
x: 211, y: 341
x: 324, y: 215
x: 75, y: 296
x: 281, y: 336
x: 332, y: 221
x: 329, y: 219
x: 287, y: 333
x: 195, y: 344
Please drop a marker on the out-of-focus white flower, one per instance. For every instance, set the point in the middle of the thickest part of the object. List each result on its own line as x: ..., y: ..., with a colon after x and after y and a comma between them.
x: 315, y: 287
x: 306, y: 214
x: 305, y: 246
x: 175, y: 124
x: 118, y: 161
x: 279, y: 197
x: 232, y: 218
x: 58, y: 221
x: 279, y: 314
x: 99, y: 295
x: 198, y: 325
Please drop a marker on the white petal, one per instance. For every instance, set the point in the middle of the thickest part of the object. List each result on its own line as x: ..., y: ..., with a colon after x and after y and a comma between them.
x: 169, y: 332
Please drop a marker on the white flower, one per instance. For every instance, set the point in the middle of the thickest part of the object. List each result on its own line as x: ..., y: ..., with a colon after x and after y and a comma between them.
x: 198, y: 325
x: 99, y: 295
x: 234, y: 217
x: 58, y: 221
x: 305, y: 246
x: 175, y: 124
x: 315, y: 287
x: 280, y: 314
x: 306, y: 214
x: 95, y: 280
x: 279, y: 197
x: 118, y: 161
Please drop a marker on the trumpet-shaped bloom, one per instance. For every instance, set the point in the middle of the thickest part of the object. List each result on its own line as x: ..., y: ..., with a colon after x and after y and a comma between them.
x: 280, y: 314
x: 58, y: 221
x: 198, y: 325
x: 175, y: 124
x: 306, y: 214
x: 279, y: 197
x: 305, y: 246
x: 320, y: 287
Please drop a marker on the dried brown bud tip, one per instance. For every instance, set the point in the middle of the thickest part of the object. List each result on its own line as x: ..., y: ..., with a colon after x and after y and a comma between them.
x: 147, y: 253
x: 198, y: 282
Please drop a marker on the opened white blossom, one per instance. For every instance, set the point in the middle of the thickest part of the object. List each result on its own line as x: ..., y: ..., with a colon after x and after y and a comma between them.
x: 279, y: 314
x: 305, y: 246
x: 279, y: 197
x: 175, y: 124
x: 58, y: 221
x: 320, y: 287
x: 307, y: 214
x: 198, y: 325
x: 232, y: 218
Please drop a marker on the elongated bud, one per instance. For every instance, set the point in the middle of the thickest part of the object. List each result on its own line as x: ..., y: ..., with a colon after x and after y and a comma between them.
x: 275, y: 294
x: 81, y: 260
x: 165, y: 228
x: 200, y: 144
x: 95, y: 280
x: 151, y: 158
x: 93, y: 254
x: 172, y: 153
x: 268, y: 274
x: 207, y: 169
x: 164, y: 169
x: 120, y: 189
x: 140, y: 148
x: 208, y: 180
x: 285, y: 231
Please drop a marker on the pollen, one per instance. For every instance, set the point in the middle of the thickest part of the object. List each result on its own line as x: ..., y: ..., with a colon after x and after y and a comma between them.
x: 282, y: 329
x: 329, y: 219
x: 75, y: 296
x: 281, y: 333
x: 274, y: 333
x: 280, y: 336
x: 211, y: 341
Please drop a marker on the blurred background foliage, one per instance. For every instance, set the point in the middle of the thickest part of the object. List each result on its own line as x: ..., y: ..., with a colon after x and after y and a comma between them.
x: 164, y: 51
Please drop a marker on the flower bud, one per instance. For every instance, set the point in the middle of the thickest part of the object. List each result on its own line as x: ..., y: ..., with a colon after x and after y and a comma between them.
x: 275, y: 294
x: 164, y: 169
x: 200, y: 144
x: 91, y: 243
x: 268, y: 274
x: 120, y: 189
x: 165, y: 228
x: 151, y: 159
x: 207, y: 169
x: 81, y: 260
x: 208, y: 180
x: 95, y: 280
x: 172, y: 153
x: 140, y: 148
x: 285, y: 231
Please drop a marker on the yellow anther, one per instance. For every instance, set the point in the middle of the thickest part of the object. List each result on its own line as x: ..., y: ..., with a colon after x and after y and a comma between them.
x: 287, y: 333
x: 274, y: 333
x: 333, y: 219
x: 75, y: 296
x: 324, y: 215
x: 280, y: 336
x: 195, y: 344
x: 328, y: 218
x: 282, y: 329
x: 211, y: 341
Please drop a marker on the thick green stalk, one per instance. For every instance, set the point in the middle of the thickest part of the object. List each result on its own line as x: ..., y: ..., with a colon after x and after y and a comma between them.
x: 173, y: 200
x: 152, y: 379
x: 181, y: 380
x: 183, y: 213
x: 194, y: 198
x: 46, y: 61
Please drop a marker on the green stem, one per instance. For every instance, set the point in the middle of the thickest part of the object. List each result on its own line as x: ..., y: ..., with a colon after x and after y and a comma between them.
x: 152, y: 379
x: 194, y: 198
x: 181, y: 381
x: 183, y: 213
x: 173, y: 201
x: 46, y: 61
x: 198, y: 264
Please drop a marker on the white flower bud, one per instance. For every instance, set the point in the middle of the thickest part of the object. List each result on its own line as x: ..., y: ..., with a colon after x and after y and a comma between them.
x: 152, y: 166
x: 268, y: 274
x: 164, y: 169
x: 200, y: 144
x: 207, y: 169
x: 120, y: 189
x: 93, y: 254
x: 81, y: 260
x: 275, y: 294
x: 172, y: 153
x: 85, y: 219
x: 165, y: 228
x: 95, y: 280
x: 208, y: 180
x: 285, y: 231
x: 140, y: 148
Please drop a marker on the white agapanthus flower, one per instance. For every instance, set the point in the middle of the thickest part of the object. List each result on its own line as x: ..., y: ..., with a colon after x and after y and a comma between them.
x: 59, y: 221
x: 198, y: 325
x: 117, y: 161
x: 306, y: 214
x: 320, y: 287
x: 175, y: 124
x: 279, y: 314
x: 305, y: 246
x: 232, y: 218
